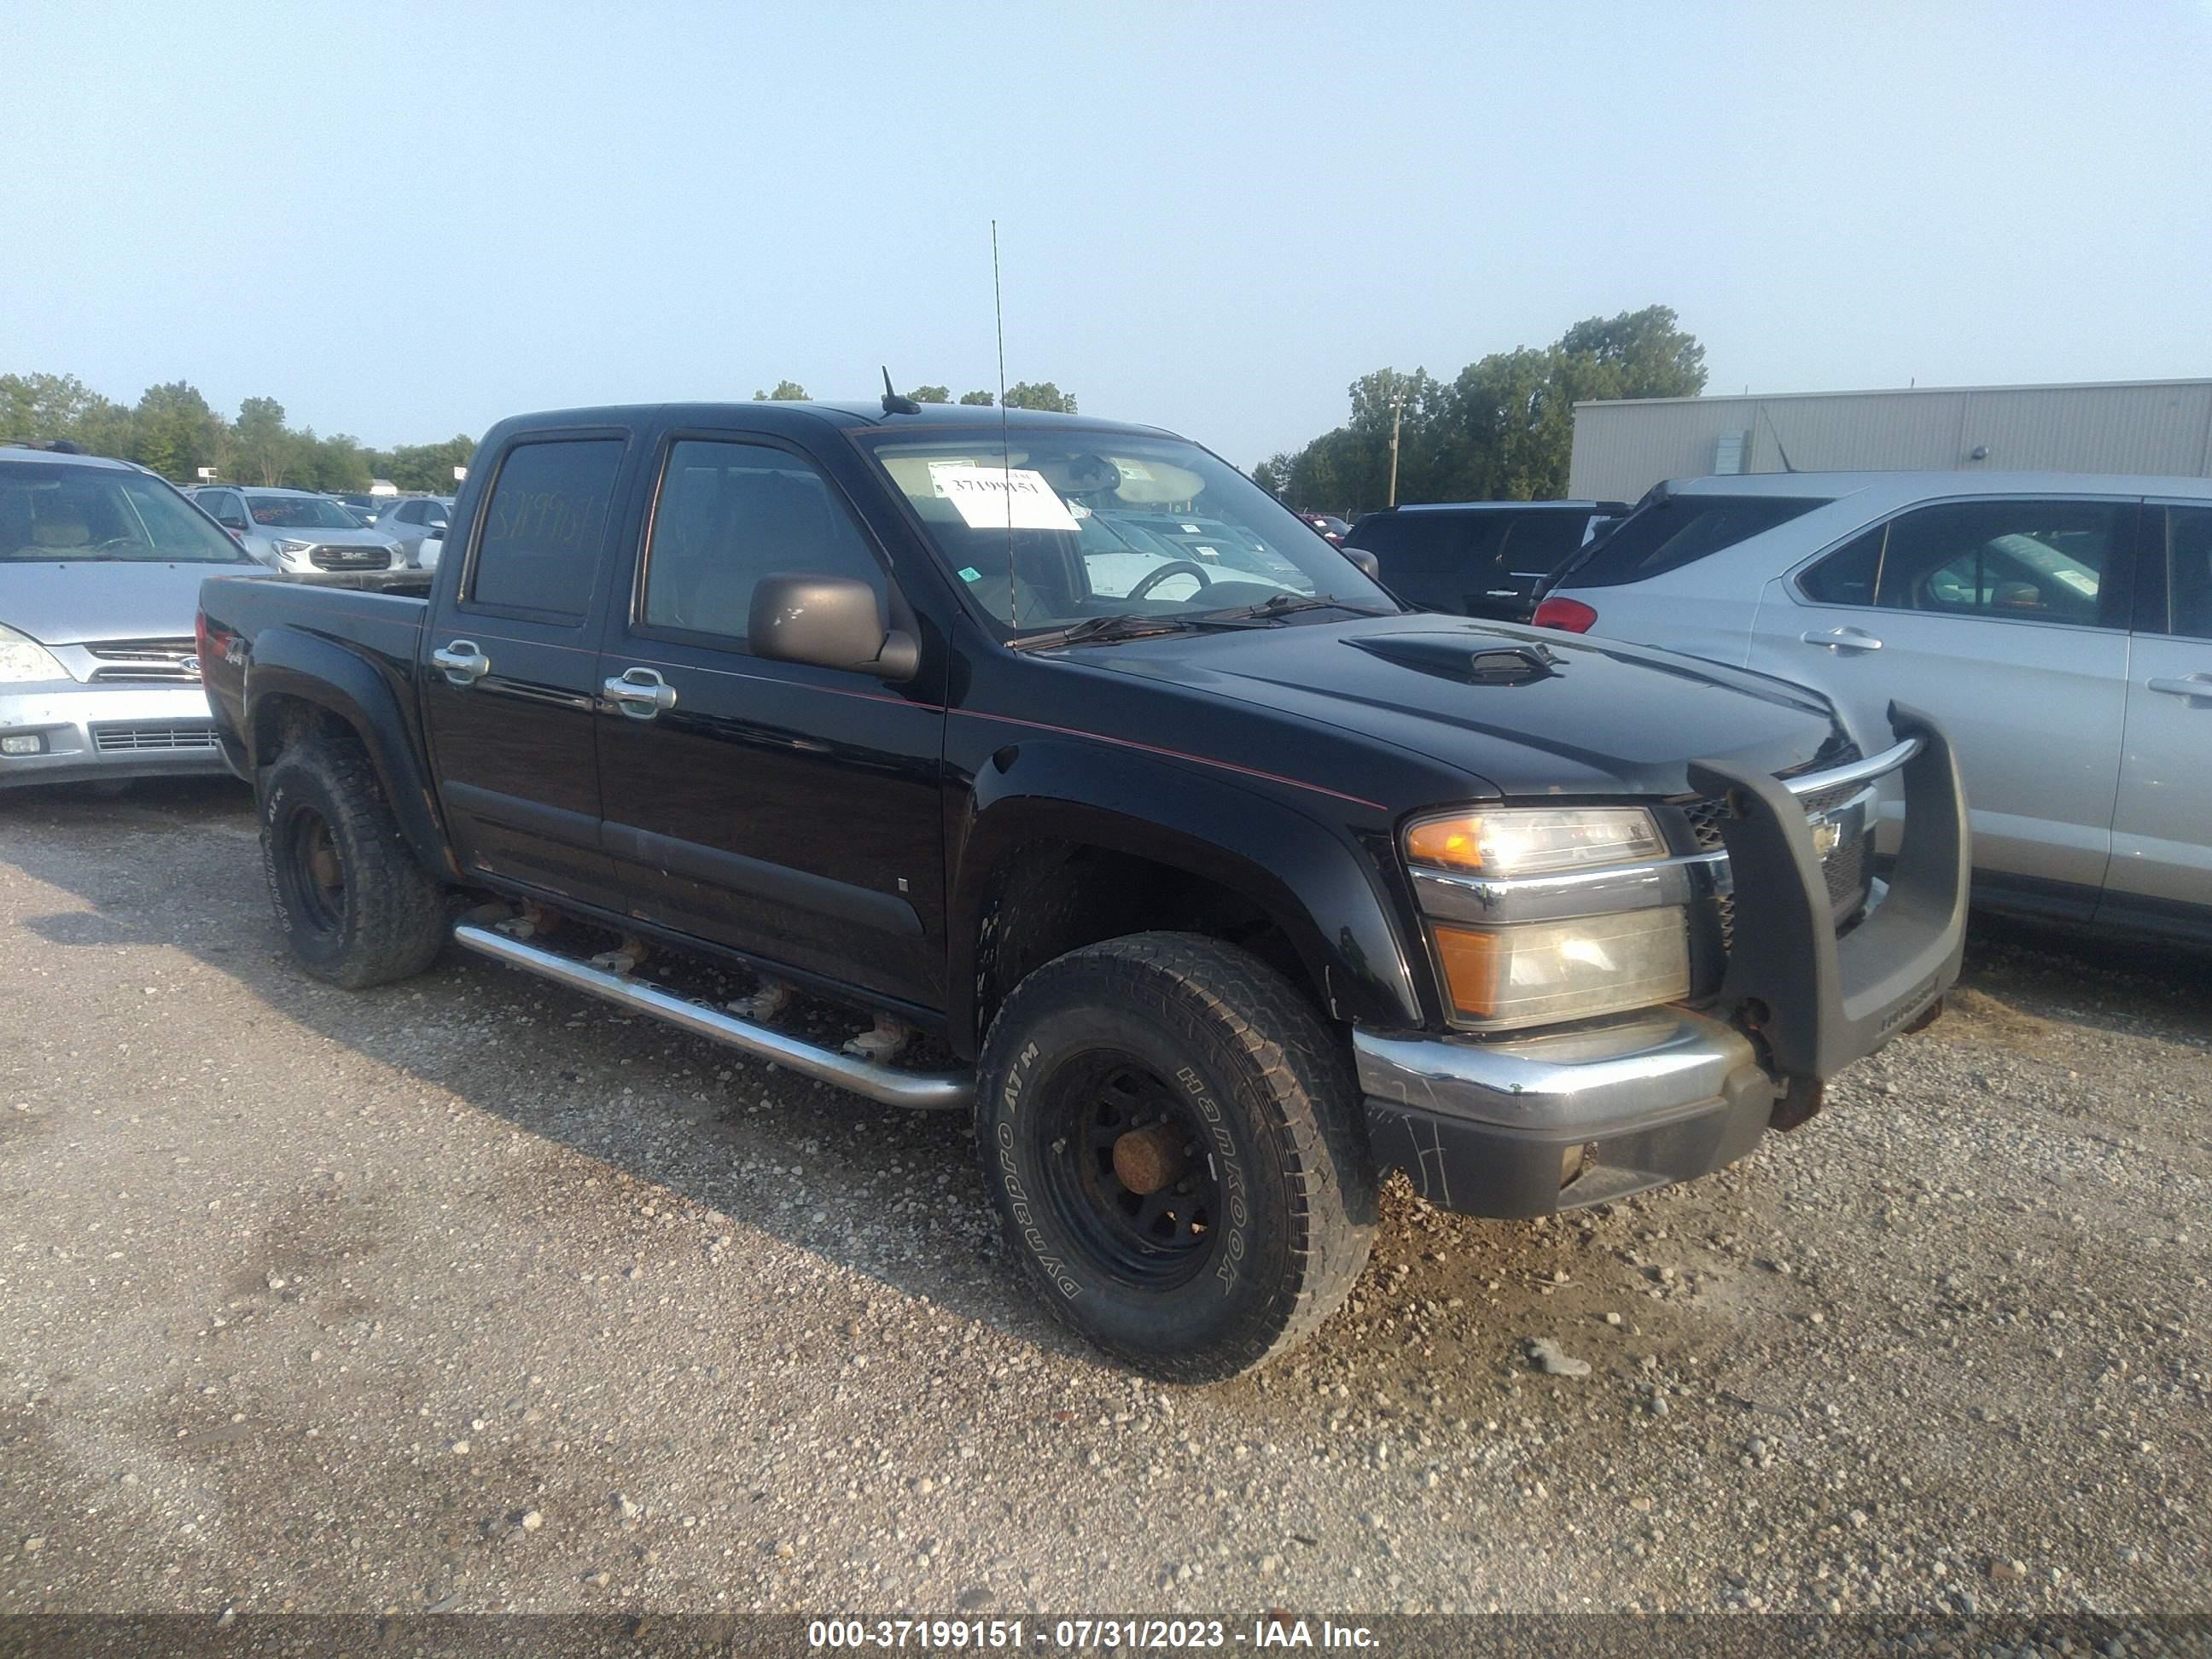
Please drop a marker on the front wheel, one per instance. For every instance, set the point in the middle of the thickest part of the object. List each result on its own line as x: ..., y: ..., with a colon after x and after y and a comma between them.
x: 351, y: 901
x: 1173, y: 1139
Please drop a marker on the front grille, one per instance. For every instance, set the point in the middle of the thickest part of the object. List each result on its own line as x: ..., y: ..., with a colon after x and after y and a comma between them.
x: 114, y: 738
x: 1845, y: 871
x: 1705, y: 816
x: 348, y: 558
x: 160, y: 660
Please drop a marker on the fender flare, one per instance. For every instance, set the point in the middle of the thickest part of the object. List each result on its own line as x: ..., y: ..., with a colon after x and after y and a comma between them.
x: 1314, y: 879
x: 288, y: 662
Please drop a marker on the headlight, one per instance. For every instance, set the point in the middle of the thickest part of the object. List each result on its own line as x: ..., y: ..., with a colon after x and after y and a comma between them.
x: 1537, y: 972
x: 1507, y: 975
x: 22, y: 658
x: 292, y: 549
x: 1533, y: 841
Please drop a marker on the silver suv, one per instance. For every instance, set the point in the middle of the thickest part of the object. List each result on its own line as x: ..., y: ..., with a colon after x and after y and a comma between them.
x: 2057, y: 625
x: 413, y: 521
x: 301, y: 534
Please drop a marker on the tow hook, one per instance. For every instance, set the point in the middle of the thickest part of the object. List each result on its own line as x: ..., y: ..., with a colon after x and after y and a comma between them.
x: 1800, y: 1101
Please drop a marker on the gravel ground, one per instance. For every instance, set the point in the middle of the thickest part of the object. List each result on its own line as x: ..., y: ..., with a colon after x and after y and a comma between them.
x: 469, y: 1293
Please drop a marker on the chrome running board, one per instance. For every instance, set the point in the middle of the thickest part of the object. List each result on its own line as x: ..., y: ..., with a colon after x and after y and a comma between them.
x: 932, y: 1092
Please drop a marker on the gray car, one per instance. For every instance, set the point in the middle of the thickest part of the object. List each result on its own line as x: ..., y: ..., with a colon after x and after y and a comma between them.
x: 101, y: 566
x: 412, y: 521
x: 301, y: 534
x: 2058, y: 626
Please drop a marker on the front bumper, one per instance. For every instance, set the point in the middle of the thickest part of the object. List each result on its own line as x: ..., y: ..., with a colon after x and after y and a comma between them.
x: 1537, y: 1122
x: 88, y: 732
x: 1562, y: 1119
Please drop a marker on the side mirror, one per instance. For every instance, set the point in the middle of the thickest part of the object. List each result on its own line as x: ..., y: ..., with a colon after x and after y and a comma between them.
x: 1369, y: 564
x: 831, y: 622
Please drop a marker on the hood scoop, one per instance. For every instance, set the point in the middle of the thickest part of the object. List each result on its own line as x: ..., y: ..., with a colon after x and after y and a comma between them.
x: 1467, y: 658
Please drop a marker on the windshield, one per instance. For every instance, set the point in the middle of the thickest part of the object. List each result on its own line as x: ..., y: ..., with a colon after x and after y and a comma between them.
x: 299, y: 513
x: 1108, y: 525
x: 51, y: 512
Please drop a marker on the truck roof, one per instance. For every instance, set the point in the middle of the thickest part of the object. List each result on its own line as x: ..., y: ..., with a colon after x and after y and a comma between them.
x: 772, y: 413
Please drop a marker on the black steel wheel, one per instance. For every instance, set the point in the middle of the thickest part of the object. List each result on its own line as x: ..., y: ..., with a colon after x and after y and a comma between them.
x: 1128, y: 1168
x: 313, y: 870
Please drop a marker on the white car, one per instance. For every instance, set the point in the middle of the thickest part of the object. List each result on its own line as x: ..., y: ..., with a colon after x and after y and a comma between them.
x: 2058, y: 626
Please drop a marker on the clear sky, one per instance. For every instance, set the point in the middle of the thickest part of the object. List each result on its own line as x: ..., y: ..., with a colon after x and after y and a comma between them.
x: 405, y: 221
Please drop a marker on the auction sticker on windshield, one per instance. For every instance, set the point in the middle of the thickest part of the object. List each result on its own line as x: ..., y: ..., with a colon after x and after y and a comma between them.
x: 1000, y: 498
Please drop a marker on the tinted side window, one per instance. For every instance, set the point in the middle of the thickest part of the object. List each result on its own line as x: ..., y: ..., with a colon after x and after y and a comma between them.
x: 1376, y: 533
x: 1433, y: 544
x: 545, y: 526
x: 1848, y: 576
x: 1678, y: 530
x: 1537, y: 543
x: 730, y: 514
x: 2022, y: 561
x: 2189, y: 571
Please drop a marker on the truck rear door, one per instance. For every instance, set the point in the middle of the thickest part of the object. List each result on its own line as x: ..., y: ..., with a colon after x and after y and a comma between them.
x: 509, y: 688
x: 789, y: 812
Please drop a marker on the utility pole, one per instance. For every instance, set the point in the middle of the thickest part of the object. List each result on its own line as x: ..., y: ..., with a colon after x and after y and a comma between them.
x: 1397, y: 420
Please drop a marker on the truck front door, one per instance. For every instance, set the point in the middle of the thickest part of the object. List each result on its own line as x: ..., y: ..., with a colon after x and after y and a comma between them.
x: 788, y: 811
x: 509, y: 685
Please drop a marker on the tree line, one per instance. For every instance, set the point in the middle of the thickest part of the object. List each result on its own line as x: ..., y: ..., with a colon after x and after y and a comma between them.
x: 1023, y: 394
x: 1501, y: 430
x: 173, y: 429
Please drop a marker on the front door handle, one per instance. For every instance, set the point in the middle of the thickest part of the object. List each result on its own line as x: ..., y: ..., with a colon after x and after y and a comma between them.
x: 1843, y: 639
x: 639, y: 693
x: 461, y: 662
x: 2196, y: 686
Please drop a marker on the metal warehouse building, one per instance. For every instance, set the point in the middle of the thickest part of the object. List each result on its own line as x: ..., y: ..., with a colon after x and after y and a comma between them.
x: 2157, y: 427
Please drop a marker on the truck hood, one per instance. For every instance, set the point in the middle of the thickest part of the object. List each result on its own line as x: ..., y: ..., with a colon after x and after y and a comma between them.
x: 84, y: 601
x: 1531, y: 711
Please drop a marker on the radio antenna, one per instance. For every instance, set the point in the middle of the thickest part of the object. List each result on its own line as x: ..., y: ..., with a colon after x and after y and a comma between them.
x: 1006, y: 438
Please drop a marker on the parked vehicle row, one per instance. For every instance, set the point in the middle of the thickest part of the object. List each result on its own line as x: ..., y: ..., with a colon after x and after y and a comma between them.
x: 301, y: 533
x: 2059, y: 626
x: 1219, y: 881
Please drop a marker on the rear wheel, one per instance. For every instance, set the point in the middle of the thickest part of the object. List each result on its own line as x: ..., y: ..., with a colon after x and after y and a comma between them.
x: 1172, y: 1138
x: 353, y: 904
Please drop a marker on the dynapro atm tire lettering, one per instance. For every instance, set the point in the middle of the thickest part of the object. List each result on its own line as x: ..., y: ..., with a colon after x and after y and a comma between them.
x: 1017, y: 1197
x: 1228, y: 1171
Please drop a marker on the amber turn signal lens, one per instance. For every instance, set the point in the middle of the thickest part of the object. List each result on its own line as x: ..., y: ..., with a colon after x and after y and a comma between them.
x: 1472, y: 964
x: 1450, y: 843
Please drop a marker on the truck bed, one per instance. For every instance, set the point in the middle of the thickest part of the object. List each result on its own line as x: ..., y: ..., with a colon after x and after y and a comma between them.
x: 245, y: 623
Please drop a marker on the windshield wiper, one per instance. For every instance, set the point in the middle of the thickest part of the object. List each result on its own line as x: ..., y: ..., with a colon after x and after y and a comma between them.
x: 1284, y: 604
x: 1111, y: 630
x: 1103, y: 630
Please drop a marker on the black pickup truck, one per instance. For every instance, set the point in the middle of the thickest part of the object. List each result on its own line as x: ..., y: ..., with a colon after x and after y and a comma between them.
x: 1212, y: 882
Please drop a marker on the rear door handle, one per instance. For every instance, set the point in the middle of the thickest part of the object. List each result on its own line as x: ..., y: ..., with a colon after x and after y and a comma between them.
x: 2196, y: 686
x: 639, y: 693
x: 1843, y: 639
x: 461, y: 662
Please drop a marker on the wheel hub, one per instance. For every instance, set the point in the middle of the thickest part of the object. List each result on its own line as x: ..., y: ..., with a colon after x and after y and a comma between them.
x: 1147, y: 1160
